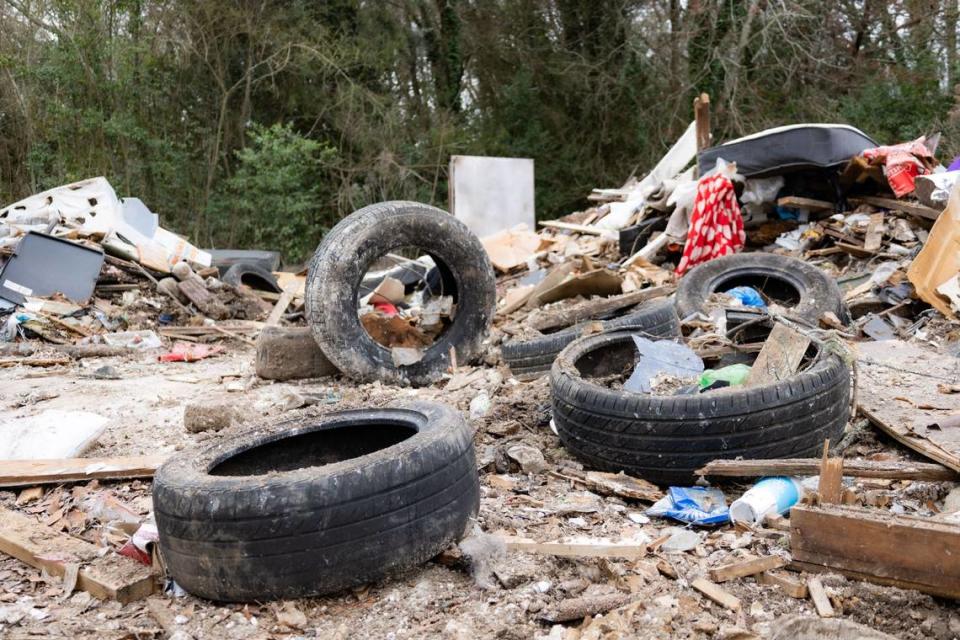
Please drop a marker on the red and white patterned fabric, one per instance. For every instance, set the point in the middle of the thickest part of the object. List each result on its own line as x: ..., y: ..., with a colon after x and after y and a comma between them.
x: 716, y: 226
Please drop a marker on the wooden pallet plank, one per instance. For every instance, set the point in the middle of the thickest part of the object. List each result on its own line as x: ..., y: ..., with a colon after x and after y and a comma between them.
x: 21, y: 473
x: 894, y: 470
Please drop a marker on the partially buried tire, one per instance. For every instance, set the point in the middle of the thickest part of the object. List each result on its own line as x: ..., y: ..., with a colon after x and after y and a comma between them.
x: 804, y: 290
x: 318, y: 505
x: 665, y: 439
x: 533, y: 358
x: 353, y: 245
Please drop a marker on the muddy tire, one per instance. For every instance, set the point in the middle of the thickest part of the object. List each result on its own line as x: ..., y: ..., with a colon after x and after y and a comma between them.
x: 317, y: 505
x: 252, y: 275
x: 533, y: 358
x: 665, y: 439
x: 811, y: 291
x: 345, y: 255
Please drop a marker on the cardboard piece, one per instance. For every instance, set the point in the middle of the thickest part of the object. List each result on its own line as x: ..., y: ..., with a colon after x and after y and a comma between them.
x: 511, y: 248
x: 939, y: 260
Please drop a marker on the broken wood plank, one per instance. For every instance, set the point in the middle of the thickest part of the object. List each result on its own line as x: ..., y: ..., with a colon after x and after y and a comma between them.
x: 911, y: 208
x: 111, y: 576
x: 821, y: 601
x: 701, y: 119
x: 617, y: 484
x: 716, y: 594
x: 811, y: 466
x: 281, y: 307
x: 830, y: 484
x: 628, y: 549
x: 590, y: 309
x: 569, y: 226
x: 746, y: 568
x: 905, y: 551
x: 874, y: 235
x: 897, y: 391
x: 779, y: 358
x: 790, y: 586
x: 20, y: 473
x: 810, y: 204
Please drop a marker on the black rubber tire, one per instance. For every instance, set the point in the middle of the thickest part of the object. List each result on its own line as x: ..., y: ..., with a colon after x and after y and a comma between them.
x: 818, y: 292
x: 665, y: 439
x: 343, y: 258
x: 530, y: 359
x: 251, y: 274
x: 320, y: 529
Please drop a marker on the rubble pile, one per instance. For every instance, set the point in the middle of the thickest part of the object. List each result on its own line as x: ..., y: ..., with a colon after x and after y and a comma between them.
x: 722, y: 402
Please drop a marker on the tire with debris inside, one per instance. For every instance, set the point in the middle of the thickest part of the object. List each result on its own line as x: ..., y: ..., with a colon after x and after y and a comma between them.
x: 530, y: 359
x: 317, y: 505
x: 804, y: 290
x: 344, y: 257
x: 665, y: 439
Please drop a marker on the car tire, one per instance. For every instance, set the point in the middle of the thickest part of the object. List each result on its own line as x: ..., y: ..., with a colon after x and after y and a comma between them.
x: 665, y: 439
x: 813, y: 291
x: 345, y: 255
x: 317, y: 505
x: 529, y: 359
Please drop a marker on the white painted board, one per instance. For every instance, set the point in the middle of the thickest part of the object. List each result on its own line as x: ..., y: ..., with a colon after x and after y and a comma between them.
x: 51, y: 434
x: 492, y: 194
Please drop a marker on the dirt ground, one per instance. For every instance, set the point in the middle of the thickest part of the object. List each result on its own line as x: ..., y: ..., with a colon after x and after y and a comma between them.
x: 491, y: 594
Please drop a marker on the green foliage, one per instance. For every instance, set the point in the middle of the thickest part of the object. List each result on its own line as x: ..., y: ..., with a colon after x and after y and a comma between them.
x: 278, y: 197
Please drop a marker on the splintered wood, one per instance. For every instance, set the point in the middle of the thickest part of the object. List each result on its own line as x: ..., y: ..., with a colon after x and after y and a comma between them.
x: 779, y: 358
x: 745, y: 568
x: 111, y: 576
x: 821, y: 601
x: 18, y: 473
x: 811, y: 466
x: 716, y: 594
x: 903, y: 551
x: 579, y: 548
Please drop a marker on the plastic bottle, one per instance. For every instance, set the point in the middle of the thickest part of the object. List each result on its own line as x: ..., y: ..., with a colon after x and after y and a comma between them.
x: 769, y: 495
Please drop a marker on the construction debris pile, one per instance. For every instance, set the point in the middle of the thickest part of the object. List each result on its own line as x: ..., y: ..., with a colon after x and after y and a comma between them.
x: 723, y: 402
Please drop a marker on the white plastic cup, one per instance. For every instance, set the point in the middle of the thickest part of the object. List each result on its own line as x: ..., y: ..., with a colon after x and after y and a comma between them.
x: 768, y: 496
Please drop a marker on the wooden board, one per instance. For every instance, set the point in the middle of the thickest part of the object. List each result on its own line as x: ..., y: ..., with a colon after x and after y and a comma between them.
x: 716, y: 594
x: 806, y: 203
x: 779, y: 358
x: 911, y: 208
x: 19, y: 473
x: 590, y: 309
x: 874, y: 233
x: 821, y: 601
x: 746, y: 568
x: 281, y: 307
x: 905, y: 551
x: 579, y: 548
x: 897, y: 391
x: 811, y: 467
x: 790, y: 586
x: 830, y: 485
x: 111, y: 576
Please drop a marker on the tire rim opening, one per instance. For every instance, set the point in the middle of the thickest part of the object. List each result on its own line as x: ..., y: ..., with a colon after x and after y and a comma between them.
x: 772, y: 288
x: 406, y: 301
x: 314, y: 448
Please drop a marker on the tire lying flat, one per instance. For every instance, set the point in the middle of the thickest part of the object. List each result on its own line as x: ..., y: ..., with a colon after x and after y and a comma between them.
x: 343, y: 258
x: 665, y: 439
x: 529, y: 359
x: 241, y: 521
x: 817, y: 292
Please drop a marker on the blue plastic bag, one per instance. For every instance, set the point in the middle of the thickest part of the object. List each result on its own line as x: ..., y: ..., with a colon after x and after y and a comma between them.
x: 693, y: 505
x: 748, y: 296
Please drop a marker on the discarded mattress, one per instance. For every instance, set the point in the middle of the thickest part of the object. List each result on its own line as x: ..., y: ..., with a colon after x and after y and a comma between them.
x: 784, y: 149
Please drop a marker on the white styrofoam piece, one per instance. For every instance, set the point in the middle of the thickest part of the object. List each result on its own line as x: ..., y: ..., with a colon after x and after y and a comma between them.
x: 492, y: 194
x: 52, y: 434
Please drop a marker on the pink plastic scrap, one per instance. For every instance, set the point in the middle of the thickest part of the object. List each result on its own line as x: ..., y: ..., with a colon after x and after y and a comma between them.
x: 902, y: 163
x: 186, y: 352
x: 716, y: 226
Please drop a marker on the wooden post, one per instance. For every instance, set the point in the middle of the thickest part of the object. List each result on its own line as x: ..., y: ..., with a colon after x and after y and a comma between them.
x: 701, y: 114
